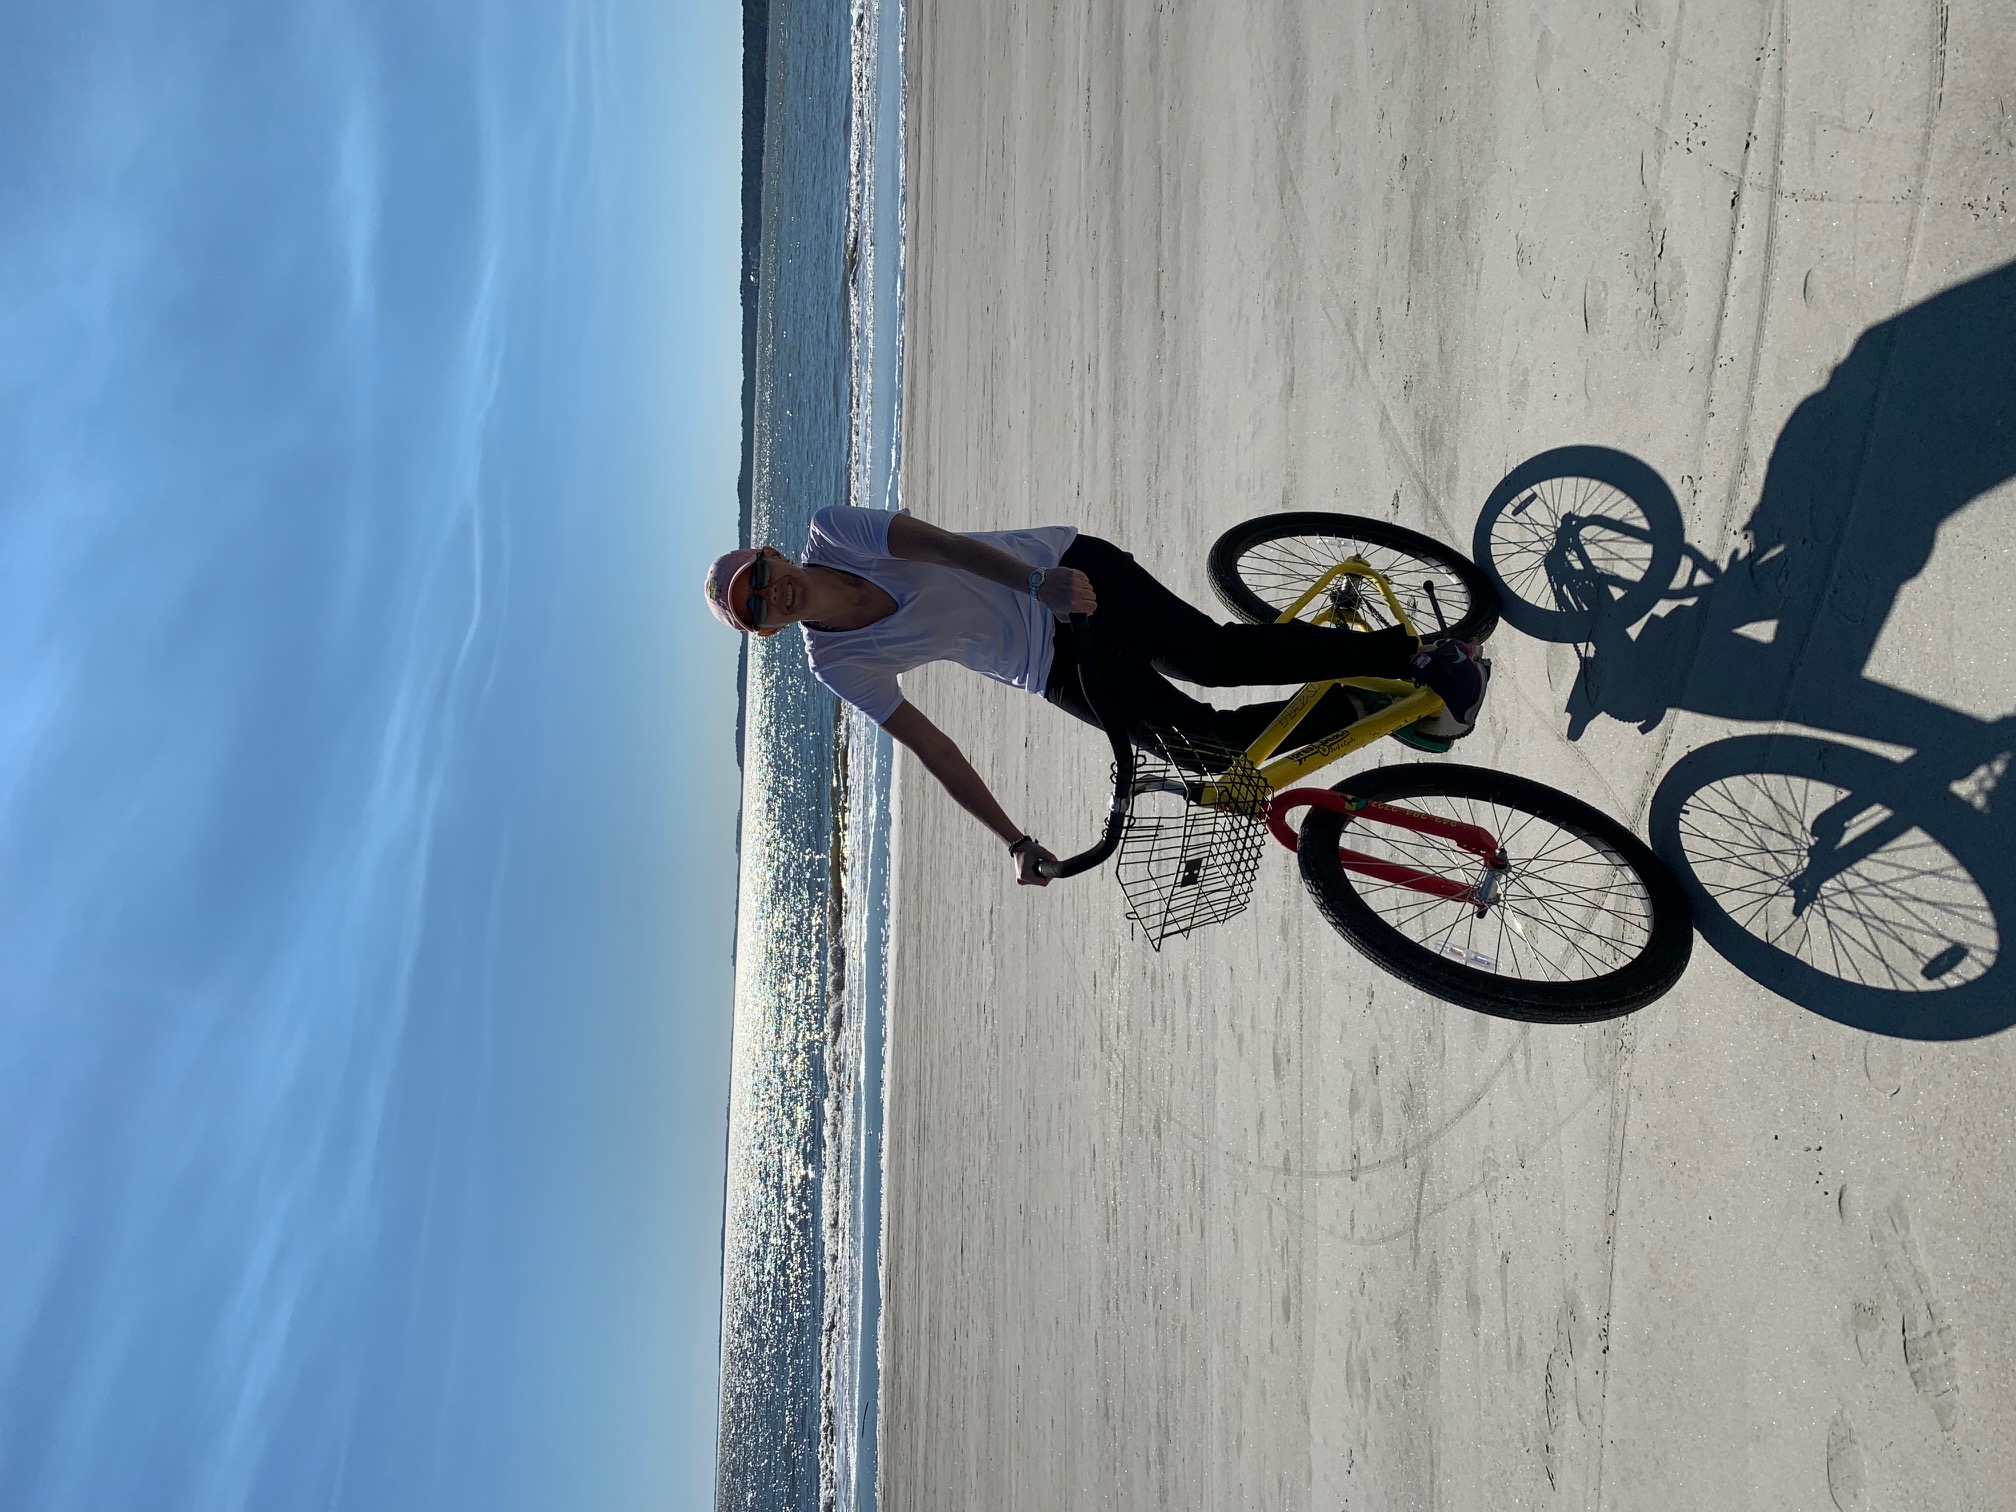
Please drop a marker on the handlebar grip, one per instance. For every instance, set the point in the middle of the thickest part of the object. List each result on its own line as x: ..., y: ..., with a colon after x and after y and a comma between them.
x: 1123, y: 761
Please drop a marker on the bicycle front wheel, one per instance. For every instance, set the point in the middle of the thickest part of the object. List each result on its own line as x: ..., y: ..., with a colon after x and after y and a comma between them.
x: 1583, y: 922
x: 1261, y: 567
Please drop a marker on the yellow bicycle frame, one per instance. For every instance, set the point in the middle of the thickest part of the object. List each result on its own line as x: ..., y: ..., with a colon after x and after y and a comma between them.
x: 1410, y: 702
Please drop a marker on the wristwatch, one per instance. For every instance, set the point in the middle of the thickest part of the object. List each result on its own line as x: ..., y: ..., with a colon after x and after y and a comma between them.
x: 1036, y: 580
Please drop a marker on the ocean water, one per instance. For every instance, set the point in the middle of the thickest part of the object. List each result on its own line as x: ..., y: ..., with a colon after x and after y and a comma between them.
x: 801, y: 1295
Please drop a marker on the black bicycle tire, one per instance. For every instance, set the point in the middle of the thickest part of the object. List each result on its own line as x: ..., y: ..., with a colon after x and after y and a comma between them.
x: 1475, y: 624
x: 1636, y: 480
x: 1645, y: 978
x: 1981, y: 1006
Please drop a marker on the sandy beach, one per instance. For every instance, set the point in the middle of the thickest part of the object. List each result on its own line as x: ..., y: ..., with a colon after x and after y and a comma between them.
x: 1245, y: 1223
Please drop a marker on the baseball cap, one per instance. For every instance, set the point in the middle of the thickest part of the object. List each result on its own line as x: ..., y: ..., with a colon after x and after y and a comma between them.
x: 716, y: 587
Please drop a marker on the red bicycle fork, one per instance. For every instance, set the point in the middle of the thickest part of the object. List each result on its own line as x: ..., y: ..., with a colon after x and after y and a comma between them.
x: 1478, y: 841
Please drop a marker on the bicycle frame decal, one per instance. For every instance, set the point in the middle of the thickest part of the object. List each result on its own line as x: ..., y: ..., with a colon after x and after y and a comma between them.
x: 1410, y: 703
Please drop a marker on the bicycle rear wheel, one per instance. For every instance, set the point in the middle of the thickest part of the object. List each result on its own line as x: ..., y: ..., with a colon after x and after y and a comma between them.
x: 1261, y: 567
x: 1586, y: 922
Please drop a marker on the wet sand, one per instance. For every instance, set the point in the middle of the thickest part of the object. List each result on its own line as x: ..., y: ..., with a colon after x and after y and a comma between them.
x: 1245, y: 1223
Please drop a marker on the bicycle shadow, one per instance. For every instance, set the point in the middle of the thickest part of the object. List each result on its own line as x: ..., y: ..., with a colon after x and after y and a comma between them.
x: 1872, y: 891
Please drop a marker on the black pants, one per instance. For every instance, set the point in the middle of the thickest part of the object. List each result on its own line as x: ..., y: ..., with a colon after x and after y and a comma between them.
x: 1144, y: 635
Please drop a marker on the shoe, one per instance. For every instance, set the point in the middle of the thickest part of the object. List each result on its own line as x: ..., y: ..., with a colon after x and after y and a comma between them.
x: 1456, y: 672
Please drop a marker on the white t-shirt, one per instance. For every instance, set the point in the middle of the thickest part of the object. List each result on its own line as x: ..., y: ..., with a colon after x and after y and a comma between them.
x: 942, y: 613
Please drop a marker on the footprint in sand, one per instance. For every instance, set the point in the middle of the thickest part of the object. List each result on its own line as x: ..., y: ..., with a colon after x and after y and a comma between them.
x: 1930, y: 1348
x: 1573, y: 1382
x: 1872, y: 1341
x: 1846, y: 1480
x: 1595, y: 303
x: 1883, y: 1064
x: 1556, y: 1388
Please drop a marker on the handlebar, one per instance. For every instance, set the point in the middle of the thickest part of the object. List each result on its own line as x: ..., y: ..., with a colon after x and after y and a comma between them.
x: 1123, y: 761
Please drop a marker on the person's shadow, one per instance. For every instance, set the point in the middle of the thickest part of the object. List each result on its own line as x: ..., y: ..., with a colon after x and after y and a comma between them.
x: 1870, y: 890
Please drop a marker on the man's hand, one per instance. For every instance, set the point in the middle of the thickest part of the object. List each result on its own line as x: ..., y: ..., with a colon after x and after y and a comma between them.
x: 1025, y: 858
x: 1067, y: 591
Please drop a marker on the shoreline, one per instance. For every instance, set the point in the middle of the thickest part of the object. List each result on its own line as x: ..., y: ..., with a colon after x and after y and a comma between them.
x: 874, y: 295
x: 801, y: 1279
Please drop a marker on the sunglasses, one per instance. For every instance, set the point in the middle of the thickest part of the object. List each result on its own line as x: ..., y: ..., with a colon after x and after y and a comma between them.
x: 754, y: 609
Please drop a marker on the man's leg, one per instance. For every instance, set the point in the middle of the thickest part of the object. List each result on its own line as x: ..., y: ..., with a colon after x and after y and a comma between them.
x: 1139, y: 616
x: 1152, y: 708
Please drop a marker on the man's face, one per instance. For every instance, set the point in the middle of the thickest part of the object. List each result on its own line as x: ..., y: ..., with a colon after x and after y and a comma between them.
x: 780, y: 601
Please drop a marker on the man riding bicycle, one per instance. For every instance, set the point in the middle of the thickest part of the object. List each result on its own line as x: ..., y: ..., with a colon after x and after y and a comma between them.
x: 879, y: 594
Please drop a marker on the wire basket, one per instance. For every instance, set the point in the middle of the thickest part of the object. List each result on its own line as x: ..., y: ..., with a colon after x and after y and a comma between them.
x: 1183, y: 865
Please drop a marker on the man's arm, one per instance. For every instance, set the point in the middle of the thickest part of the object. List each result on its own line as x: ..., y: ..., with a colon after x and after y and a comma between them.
x: 944, y: 760
x: 1064, y: 591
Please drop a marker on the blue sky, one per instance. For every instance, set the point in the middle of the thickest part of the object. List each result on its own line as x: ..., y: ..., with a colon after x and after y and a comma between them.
x: 368, y: 408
